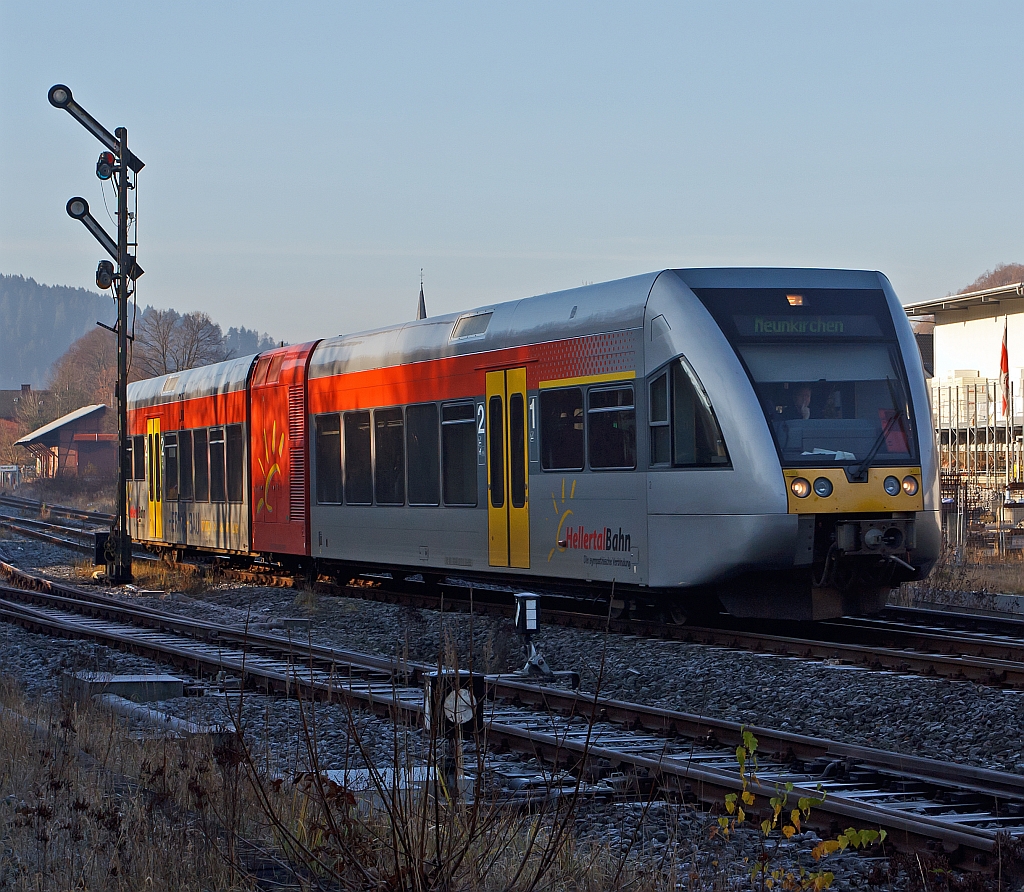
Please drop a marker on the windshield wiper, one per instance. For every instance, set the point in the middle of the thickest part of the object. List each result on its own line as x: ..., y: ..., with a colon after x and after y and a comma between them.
x: 897, y: 415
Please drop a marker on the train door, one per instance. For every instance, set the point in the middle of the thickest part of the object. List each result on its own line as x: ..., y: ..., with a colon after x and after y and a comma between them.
x: 154, y: 493
x: 508, y: 479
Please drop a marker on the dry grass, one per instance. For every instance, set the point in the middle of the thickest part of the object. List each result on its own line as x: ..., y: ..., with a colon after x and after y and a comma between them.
x: 970, y: 581
x: 85, y: 807
x: 155, y: 576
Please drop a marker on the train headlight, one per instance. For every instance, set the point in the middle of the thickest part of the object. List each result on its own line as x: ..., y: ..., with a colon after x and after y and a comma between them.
x: 910, y: 485
x: 891, y: 486
x: 801, y: 488
x: 823, y: 487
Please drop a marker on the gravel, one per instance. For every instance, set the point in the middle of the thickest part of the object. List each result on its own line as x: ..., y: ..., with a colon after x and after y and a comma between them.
x: 937, y: 718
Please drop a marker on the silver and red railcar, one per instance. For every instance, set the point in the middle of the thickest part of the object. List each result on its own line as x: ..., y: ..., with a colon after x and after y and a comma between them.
x: 755, y: 437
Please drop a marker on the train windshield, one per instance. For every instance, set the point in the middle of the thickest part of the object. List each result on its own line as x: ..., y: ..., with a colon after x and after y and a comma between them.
x: 826, y: 367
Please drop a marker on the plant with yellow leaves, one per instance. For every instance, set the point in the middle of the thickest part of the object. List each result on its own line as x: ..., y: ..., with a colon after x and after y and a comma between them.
x: 782, y: 823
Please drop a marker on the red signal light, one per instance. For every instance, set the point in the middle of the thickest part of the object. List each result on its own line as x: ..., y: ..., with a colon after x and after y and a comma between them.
x: 105, y: 165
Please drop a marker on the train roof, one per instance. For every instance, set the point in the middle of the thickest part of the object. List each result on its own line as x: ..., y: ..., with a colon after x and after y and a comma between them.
x: 590, y: 309
x: 207, y: 380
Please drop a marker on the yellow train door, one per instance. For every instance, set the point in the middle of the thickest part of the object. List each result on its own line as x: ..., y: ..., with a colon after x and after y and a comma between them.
x: 154, y: 481
x: 508, y: 478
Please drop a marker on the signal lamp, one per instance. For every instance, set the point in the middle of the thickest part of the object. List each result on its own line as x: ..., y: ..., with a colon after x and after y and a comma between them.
x: 78, y: 208
x: 801, y: 488
x: 104, y: 275
x: 910, y: 485
x: 891, y: 485
x: 823, y: 487
x: 105, y: 165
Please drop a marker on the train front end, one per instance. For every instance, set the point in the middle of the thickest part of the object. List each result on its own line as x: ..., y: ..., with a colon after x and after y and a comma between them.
x: 839, y: 383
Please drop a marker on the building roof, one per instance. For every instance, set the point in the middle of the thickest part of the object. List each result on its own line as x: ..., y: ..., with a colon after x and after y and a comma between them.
x: 49, y: 434
x: 1002, y: 301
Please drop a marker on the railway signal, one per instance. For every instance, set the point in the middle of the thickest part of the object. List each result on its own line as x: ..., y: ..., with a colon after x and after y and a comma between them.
x: 118, y: 164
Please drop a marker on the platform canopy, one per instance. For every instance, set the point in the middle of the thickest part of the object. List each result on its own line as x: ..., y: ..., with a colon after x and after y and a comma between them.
x: 1005, y: 300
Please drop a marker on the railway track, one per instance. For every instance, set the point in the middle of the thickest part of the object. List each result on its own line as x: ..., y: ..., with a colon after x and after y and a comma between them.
x: 980, y: 649
x: 923, y: 804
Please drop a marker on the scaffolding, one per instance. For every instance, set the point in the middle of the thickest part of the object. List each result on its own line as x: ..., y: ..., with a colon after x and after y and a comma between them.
x: 980, y: 465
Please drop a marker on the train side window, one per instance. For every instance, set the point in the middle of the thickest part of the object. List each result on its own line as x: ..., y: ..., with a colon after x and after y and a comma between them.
x: 458, y: 454
x: 697, y: 439
x: 235, y: 462
x: 389, y: 455
x: 201, y: 461
x: 358, y: 468
x: 421, y: 438
x: 661, y: 430
x: 139, y: 457
x: 129, y: 449
x: 171, y: 467
x: 328, y: 459
x: 611, y: 426
x: 561, y: 430
x: 185, y: 466
x: 218, y: 491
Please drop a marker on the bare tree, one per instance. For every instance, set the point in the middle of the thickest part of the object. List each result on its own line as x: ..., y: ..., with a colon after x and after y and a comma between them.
x: 153, y: 352
x: 198, y: 341
x: 167, y: 342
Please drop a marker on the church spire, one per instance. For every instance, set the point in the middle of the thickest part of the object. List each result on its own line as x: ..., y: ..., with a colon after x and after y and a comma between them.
x: 421, y: 310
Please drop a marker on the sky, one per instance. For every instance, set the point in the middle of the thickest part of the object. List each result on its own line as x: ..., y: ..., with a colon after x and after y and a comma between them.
x: 304, y: 161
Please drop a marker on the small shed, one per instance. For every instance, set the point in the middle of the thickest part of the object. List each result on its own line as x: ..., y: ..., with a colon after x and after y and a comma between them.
x: 73, y: 445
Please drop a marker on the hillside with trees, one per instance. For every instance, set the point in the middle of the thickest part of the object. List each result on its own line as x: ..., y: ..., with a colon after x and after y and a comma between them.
x: 84, y: 372
x: 1003, y: 274
x: 40, y: 322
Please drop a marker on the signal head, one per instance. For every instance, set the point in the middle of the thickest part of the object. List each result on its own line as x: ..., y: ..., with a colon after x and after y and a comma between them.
x: 78, y: 208
x: 59, y: 96
x: 105, y: 165
x: 104, y: 275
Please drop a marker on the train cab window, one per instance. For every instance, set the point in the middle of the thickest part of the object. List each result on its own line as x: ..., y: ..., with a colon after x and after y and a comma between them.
x: 561, y: 430
x: 458, y: 454
x: 129, y: 449
x: 171, y: 466
x: 235, y: 462
x: 328, y: 459
x: 358, y: 468
x: 139, y: 457
x: 218, y: 490
x: 683, y: 427
x: 661, y: 431
x: 421, y: 444
x: 389, y: 452
x: 185, y: 466
x: 697, y: 439
x: 611, y: 424
x: 201, y: 461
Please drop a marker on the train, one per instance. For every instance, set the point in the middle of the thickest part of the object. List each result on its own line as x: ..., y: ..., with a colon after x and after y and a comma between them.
x: 753, y: 439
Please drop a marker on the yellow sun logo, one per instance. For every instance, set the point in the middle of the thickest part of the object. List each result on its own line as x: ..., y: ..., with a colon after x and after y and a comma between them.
x: 563, y: 514
x: 272, y: 452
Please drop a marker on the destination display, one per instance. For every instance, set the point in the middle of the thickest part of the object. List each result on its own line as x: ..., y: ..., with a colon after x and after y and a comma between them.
x: 807, y: 326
